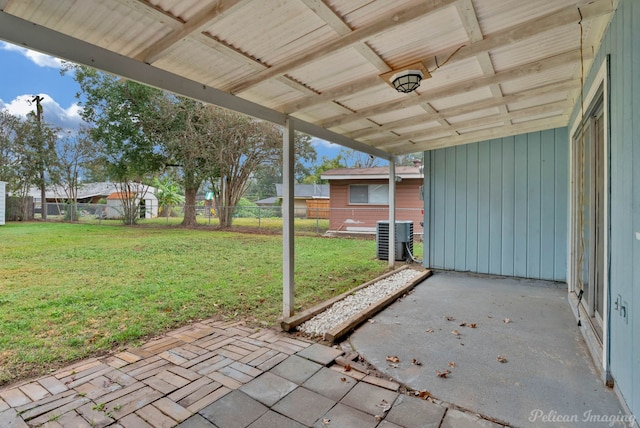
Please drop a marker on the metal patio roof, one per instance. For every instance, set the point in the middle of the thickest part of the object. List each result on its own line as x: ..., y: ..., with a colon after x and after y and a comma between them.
x: 498, y: 67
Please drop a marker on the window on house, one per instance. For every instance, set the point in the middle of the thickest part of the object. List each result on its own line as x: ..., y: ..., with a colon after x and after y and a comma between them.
x: 375, y: 194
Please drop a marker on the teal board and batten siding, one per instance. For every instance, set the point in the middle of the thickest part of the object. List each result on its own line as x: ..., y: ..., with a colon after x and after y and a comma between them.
x: 500, y: 206
x: 621, y: 44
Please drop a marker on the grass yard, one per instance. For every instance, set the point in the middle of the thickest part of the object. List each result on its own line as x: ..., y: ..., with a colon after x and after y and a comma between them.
x: 68, y: 291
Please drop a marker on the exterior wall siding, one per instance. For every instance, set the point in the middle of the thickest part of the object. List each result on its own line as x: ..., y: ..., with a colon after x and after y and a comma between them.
x: 622, y: 44
x: 344, y: 215
x: 500, y: 206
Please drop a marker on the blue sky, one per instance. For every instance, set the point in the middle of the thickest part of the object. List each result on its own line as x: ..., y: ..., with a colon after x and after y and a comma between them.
x: 25, y: 73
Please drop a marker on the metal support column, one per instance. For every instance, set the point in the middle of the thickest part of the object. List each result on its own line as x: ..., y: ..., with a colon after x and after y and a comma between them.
x: 288, y: 158
x: 392, y: 212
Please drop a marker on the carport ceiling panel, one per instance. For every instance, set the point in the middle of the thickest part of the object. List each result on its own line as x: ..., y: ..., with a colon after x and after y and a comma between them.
x: 555, y: 74
x: 473, y: 115
x: 451, y: 75
x: 550, y: 114
x: 320, y: 112
x: 272, y: 31
x: 541, y: 100
x: 422, y: 127
x: 547, y: 44
x: 421, y: 38
x: 343, y: 67
x: 271, y: 93
x: 496, y: 15
x: 195, y: 61
x: 186, y: 10
x: 399, y: 114
x: 462, y: 98
x: 373, y: 96
x: 112, y: 26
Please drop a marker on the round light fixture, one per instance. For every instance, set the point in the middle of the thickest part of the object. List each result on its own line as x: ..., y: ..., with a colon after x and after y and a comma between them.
x: 407, y: 81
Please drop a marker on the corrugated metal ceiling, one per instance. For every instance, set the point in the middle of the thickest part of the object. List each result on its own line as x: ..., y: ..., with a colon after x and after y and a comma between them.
x: 513, y: 63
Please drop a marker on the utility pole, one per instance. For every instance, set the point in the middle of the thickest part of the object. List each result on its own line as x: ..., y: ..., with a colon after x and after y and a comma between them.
x: 43, y: 191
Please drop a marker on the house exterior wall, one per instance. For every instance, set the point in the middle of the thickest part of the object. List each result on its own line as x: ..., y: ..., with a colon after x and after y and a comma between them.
x: 500, y: 206
x: 346, y: 217
x: 622, y: 44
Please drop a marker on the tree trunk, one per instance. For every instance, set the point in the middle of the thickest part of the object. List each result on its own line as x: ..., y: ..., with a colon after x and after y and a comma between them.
x: 189, y: 219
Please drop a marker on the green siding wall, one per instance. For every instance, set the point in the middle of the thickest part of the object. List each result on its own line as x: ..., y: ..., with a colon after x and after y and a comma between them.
x: 500, y: 206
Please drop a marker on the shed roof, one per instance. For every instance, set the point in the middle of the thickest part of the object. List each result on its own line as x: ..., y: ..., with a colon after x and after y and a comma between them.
x: 498, y: 67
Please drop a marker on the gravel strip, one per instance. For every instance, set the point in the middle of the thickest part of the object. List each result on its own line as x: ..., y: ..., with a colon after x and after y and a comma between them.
x: 356, y: 302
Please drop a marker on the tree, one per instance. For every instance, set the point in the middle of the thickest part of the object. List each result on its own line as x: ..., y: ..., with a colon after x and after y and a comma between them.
x: 116, y: 109
x: 168, y: 194
x: 241, y: 144
x: 325, y: 165
x: 8, y: 126
x: 74, y: 153
x: 356, y: 159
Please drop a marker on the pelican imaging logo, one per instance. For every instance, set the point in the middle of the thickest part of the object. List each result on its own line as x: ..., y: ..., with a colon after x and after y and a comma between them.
x: 588, y: 417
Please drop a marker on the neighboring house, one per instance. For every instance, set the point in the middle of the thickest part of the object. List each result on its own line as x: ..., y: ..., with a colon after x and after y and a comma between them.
x: 267, y: 202
x: 89, y: 193
x: 148, y: 205
x: 309, y: 200
x: 360, y: 197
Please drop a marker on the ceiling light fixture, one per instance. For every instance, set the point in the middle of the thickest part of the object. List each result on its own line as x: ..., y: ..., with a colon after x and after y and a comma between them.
x: 407, y: 81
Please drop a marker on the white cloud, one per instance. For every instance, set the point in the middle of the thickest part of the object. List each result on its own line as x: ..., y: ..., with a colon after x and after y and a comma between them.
x: 318, y: 143
x: 68, y: 119
x: 37, y: 58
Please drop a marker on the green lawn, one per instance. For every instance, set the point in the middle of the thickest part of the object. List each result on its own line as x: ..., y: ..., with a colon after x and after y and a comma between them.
x: 72, y: 290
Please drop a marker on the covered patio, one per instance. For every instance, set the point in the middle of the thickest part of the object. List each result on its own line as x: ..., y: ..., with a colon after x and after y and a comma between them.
x: 525, y: 112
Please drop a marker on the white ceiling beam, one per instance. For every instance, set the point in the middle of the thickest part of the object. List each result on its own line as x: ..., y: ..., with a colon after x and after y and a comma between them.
x: 33, y: 36
x: 517, y: 72
x: 397, y: 17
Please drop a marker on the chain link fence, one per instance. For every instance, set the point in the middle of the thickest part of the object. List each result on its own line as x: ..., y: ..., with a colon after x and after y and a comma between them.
x: 346, y: 221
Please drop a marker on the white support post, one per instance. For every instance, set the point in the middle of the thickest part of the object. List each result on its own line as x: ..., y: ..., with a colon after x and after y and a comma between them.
x: 288, y: 159
x: 392, y: 212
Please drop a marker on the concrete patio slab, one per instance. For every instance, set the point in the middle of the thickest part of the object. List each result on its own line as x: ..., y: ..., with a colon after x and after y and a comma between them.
x: 547, y: 369
x: 272, y: 419
x: 414, y: 412
x: 296, y: 369
x: 321, y: 354
x: 330, y: 383
x: 370, y: 398
x: 304, y: 406
x: 346, y: 417
x: 268, y: 388
x: 235, y: 410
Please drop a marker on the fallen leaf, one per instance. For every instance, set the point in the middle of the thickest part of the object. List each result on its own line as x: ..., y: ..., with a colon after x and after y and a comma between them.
x: 343, y: 379
x: 443, y: 374
x: 393, y: 359
x: 326, y: 421
x: 347, y: 367
x: 371, y: 320
x: 416, y: 362
x: 424, y: 394
x: 455, y: 333
x: 463, y: 324
x: 473, y: 325
x: 502, y: 359
x: 384, y: 405
x: 449, y: 318
x: 429, y: 330
x: 393, y: 366
x: 378, y: 417
x: 506, y: 320
x: 452, y: 364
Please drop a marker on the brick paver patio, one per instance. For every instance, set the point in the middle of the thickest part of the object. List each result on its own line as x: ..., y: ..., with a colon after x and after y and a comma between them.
x: 220, y: 374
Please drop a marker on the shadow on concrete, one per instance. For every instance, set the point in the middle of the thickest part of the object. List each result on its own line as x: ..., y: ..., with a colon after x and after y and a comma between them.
x: 548, y: 379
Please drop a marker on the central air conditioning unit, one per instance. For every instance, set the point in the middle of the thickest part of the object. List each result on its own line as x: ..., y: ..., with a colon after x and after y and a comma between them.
x: 404, y: 240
